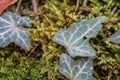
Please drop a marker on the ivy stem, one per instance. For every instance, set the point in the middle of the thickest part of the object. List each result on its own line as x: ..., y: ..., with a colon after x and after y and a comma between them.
x: 18, y: 5
x: 34, y: 6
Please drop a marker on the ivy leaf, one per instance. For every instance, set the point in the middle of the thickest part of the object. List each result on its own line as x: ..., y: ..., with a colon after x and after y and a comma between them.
x: 76, y: 70
x: 115, y: 37
x: 11, y: 30
x: 73, y: 37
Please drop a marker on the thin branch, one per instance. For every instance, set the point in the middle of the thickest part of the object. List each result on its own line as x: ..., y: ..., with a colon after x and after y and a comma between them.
x: 77, y: 6
x: 34, y: 6
x: 18, y: 5
x: 34, y: 49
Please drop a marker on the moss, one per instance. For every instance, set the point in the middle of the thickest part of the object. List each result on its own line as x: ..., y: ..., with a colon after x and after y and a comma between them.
x: 15, y: 64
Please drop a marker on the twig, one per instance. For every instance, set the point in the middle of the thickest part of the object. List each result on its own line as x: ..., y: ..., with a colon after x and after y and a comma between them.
x: 34, y: 49
x: 77, y: 6
x: 34, y: 6
x: 18, y: 5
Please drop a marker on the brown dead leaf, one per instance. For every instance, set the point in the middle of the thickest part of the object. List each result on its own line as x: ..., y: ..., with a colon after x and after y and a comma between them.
x: 5, y: 3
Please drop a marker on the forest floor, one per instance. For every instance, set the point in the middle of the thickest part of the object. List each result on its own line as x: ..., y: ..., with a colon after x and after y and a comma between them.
x: 42, y: 61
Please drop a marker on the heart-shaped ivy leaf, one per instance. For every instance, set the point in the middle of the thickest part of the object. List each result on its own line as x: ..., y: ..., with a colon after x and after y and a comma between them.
x: 115, y: 37
x: 73, y: 37
x: 76, y: 70
x: 11, y: 30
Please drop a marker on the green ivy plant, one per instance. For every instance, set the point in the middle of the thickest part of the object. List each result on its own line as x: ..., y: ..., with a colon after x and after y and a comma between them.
x: 115, y: 37
x: 11, y: 30
x: 76, y: 41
